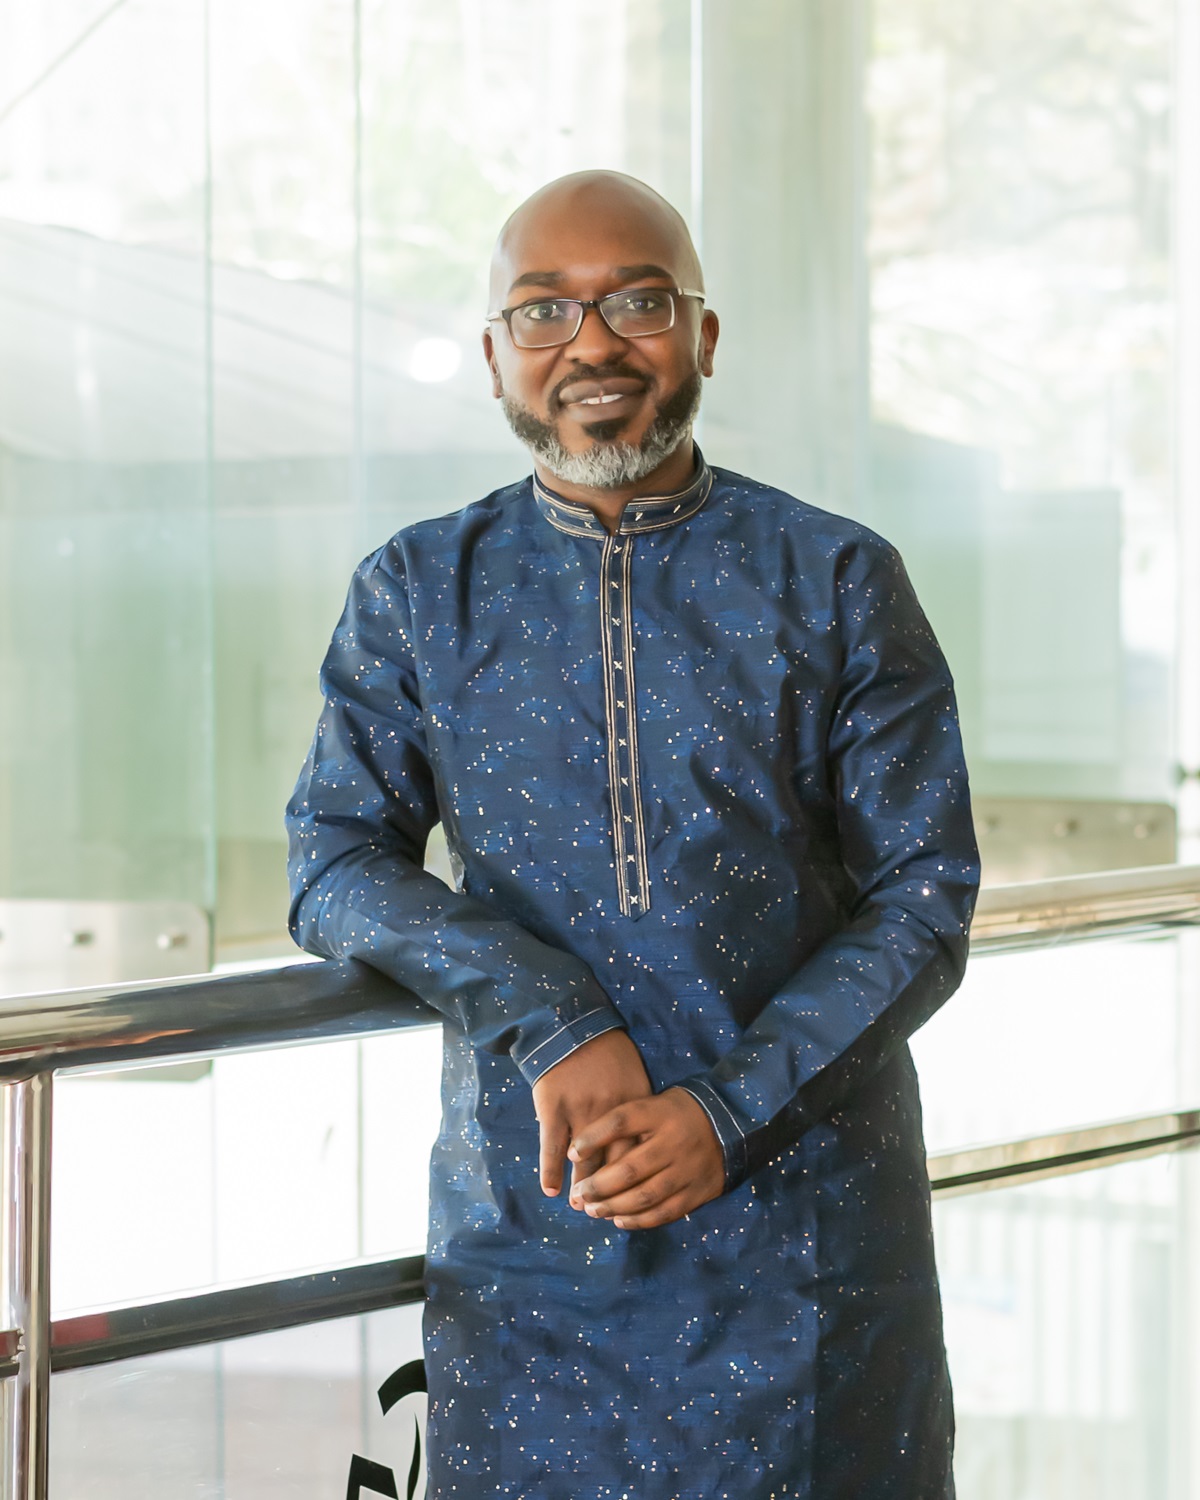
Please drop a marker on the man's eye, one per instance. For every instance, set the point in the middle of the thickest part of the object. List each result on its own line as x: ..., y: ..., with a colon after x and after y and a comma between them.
x: 642, y: 303
x: 543, y: 312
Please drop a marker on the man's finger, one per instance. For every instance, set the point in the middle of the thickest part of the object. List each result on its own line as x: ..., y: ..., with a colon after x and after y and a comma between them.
x: 665, y: 1213
x: 626, y: 1122
x: 638, y: 1165
x: 639, y: 1198
x: 580, y: 1172
x: 554, y: 1139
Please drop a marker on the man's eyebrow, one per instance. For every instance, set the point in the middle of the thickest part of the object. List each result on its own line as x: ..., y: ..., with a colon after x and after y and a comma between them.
x: 622, y: 273
x: 537, y: 278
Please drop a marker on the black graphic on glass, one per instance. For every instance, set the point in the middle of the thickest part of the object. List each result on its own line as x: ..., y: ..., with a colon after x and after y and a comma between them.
x: 368, y: 1476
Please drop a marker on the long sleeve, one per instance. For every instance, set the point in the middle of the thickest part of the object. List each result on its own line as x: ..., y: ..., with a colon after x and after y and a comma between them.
x: 896, y: 770
x: 358, y: 823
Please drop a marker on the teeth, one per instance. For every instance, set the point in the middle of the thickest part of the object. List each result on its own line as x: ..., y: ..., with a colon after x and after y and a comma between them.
x: 601, y: 400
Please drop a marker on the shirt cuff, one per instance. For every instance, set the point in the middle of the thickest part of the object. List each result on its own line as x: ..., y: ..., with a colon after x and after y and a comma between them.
x: 728, y: 1132
x: 568, y: 1038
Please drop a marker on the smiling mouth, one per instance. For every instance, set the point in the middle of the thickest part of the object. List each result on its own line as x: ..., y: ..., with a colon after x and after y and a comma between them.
x: 603, y: 409
x: 589, y: 395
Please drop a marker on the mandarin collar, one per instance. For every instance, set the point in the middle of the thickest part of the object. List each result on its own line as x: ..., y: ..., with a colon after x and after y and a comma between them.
x: 643, y: 513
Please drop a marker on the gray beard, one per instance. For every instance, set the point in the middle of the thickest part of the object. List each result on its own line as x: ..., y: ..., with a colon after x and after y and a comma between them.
x: 609, y: 464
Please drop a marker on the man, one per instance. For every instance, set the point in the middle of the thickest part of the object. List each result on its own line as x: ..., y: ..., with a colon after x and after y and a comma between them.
x: 695, y: 753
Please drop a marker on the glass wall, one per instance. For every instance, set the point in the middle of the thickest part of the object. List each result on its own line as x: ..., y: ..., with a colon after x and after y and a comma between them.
x: 240, y: 298
x: 106, y: 579
x: 293, y: 1415
x: 1072, y: 1368
x: 242, y: 278
x: 1070, y: 1363
x: 1022, y: 373
x: 264, y: 1165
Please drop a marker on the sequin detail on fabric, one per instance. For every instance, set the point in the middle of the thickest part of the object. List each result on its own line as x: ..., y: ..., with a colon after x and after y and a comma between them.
x: 795, y: 772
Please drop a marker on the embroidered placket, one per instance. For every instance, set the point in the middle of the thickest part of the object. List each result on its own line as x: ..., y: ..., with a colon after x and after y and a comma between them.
x: 620, y: 691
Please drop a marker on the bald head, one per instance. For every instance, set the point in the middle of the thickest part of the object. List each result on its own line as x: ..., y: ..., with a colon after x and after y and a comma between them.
x: 574, y: 219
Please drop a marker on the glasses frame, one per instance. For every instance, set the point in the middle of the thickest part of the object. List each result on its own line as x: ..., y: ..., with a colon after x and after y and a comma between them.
x: 505, y: 314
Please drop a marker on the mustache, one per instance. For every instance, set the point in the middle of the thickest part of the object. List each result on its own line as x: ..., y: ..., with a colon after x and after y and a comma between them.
x: 616, y: 367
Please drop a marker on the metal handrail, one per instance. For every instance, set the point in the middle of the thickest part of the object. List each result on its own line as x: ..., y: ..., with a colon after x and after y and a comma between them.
x: 157, y: 1019
x: 204, y: 1014
x: 101, y: 1335
x: 139, y: 1023
x: 978, y: 1169
x: 307, y: 1001
x: 1076, y: 908
x: 40, y: 1034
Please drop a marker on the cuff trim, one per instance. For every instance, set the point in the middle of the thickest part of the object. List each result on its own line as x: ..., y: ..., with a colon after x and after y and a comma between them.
x: 729, y: 1133
x: 567, y: 1039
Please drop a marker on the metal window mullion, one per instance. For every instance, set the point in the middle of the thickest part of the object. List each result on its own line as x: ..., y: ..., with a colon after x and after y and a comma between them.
x: 28, y: 1107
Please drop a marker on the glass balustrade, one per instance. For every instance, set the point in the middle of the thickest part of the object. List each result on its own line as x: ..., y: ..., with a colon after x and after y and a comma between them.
x: 230, y: 1287
x: 1074, y: 1371
x: 1062, y: 1037
x: 268, y: 1164
x: 1069, y: 1359
x: 279, y: 1416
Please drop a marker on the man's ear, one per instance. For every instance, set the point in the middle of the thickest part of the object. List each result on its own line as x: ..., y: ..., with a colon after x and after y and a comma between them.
x: 489, y: 353
x: 710, y: 331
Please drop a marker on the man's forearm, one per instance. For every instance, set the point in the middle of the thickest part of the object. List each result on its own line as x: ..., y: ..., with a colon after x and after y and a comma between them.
x: 508, y: 991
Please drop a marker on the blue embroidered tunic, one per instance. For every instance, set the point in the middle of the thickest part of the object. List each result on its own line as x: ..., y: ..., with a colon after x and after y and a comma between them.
x: 700, y: 778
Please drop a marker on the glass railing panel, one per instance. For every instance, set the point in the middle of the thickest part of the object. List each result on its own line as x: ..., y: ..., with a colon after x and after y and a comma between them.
x: 1055, y: 1038
x: 132, y: 1187
x: 401, y: 1113
x: 1072, y: 1364
x: 279, y: 1416
x: 265, y: 1164
x: 1071, y: 1360
x: 147, y: 1426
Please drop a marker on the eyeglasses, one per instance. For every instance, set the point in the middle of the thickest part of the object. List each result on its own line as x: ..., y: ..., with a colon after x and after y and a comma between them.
x: 547, y: 321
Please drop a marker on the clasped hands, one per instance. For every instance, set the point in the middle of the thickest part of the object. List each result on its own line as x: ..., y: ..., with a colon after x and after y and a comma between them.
x: 638, y: 1158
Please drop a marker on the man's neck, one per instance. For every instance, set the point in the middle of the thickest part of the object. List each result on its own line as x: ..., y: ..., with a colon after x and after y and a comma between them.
x: 608, y: 505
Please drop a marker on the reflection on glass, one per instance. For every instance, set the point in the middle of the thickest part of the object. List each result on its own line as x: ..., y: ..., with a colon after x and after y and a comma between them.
x: 1057, y: 1039
x: 270, y: 1164
x: 240, y: 346
x: 1068, y: 1358
x: 1021, y: 367
x: 279, y: 1415
x: 1070, y: 1368
x: 105, y: 579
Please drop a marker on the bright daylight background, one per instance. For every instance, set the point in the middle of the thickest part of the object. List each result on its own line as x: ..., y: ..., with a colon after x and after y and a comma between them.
x: 242, y: 254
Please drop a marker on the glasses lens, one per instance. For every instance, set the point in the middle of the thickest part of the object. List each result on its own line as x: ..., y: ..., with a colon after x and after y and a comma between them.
x: 644, y: 310
x: 537, y: 325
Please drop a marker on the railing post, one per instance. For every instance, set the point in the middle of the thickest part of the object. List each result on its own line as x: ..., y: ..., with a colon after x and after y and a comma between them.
x: 28, y: 1109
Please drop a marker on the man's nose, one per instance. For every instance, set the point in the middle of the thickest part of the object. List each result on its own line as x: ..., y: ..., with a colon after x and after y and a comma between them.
x: 595, y: 342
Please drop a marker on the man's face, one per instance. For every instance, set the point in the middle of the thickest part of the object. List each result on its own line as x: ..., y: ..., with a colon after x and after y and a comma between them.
x: 601, y: 391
